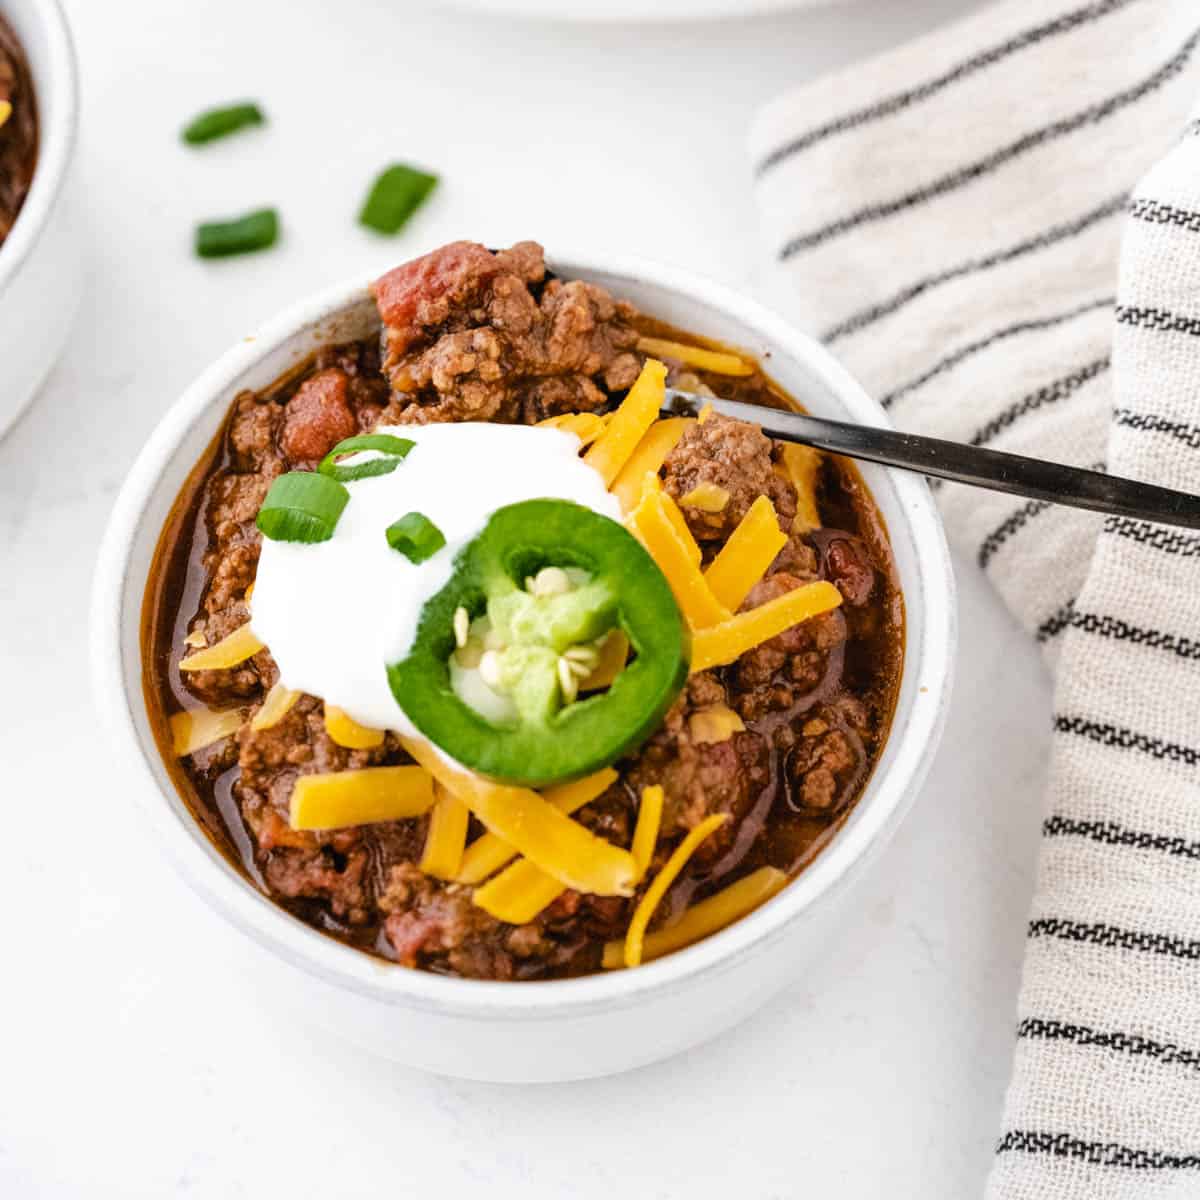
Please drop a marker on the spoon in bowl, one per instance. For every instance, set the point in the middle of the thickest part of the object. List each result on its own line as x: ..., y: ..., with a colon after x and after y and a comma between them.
x: 974, y: 465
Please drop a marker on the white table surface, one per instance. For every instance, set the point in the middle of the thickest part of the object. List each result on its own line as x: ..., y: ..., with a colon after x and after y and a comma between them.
x: 133, y: 1061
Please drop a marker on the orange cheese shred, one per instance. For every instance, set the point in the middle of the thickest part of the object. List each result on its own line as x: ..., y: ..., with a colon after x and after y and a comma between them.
x: 487, y: 854
x: 518, y: 893
x: 636, y: 933
x: 447, y: 835
x: 645, y: 833
x: 707, y: 497
x: 707, y: 917
x: 647, y: 459
x: 274, y: 708
x: 719, y: 644
x: 348, y: 733
x: 587, y: 427
x: 231, y: 650
x: 750, y: 549
x: 196, y: 728
x: 614, y: 650
x: 637, y: 412
x: 719, y: 362
x: 651, y: 523
x: 535, y: 828
x: 801, y: 467
x: 342, y: 798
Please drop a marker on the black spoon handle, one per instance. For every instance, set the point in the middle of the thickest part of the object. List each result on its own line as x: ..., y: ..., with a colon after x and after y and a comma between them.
x: 1013, y: 473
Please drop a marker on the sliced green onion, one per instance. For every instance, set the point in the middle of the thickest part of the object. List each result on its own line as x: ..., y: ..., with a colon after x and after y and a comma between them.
x: 394, y: 449
x: 242, y: 235
x: 302, y: 506
x: 415, y: 536
x: 220, y: 122
x: 395, y: 195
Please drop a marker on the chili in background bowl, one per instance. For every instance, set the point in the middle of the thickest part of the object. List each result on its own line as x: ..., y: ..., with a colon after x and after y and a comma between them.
x: 41, y: 258
x: 559, y: 1029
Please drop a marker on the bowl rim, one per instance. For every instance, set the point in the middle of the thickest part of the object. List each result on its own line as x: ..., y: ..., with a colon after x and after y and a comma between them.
x: 56, y: 141
x: 271, y: 926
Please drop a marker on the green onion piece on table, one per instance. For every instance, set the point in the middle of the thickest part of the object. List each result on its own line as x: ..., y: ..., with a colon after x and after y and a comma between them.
x: 302, y: 506
x: 242, y: 235
x: 395, y: 195
x: 415, y: 536
x: 220, y: 122
x: 394, y: 450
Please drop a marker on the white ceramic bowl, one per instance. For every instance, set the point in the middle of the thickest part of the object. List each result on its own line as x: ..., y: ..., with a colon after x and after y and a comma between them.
x: 547, y: 1030
x: 41, y: 260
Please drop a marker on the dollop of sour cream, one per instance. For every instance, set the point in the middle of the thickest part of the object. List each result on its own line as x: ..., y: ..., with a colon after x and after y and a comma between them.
x: 334, y: 614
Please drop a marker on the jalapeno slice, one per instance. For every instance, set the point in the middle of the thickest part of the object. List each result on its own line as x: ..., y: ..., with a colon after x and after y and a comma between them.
x: 552, y: 736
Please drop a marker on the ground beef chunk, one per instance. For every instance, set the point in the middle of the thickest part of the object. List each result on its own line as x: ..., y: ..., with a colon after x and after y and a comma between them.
x: 472, y: 335
x: 732, y: 455
x: 298, y: 864
x: 318, y: 417
x: 828, y: 758
x: 701, y: 778
x: 776, y: 674
x: 430, y: 921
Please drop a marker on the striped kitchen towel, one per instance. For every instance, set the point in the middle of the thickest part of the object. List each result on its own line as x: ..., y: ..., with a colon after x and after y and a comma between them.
x: 998, y: 228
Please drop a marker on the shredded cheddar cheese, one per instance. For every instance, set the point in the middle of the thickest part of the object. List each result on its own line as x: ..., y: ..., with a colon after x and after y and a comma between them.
x: 487, y: 854
x: 518, y: 893
x: 238, y: 646
x: 274, y: 708
x: 341, y: 798
x: 707, y: 497
x: 746, y: 555
x: 717, y: 361
x: 720, y: 644
x: 651, y: 523
x: 614, y: 650
x: 535, y: 828
x: 707, y: 917
x: 645, y: 833
x: 348, y: 733
x: 647, y: 459
x: 637, y: 412
x: 636, y: 933
x: 447, y: 835
x: 801, y: 466
x: 587, y: 427
x: 199, y: 727
x: 715, y: 723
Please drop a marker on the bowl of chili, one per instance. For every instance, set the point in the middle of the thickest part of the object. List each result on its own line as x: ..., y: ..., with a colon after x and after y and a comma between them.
x: 40, y: 247
x: 547, y: 1028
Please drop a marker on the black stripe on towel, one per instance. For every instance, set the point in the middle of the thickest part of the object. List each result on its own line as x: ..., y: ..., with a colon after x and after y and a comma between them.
x: 1000, y: 335
x: 1011, y: 525
x: 1092, y: 115
x: 1169, y: 541
x: 1113, y: 937
x: 1059, y: 233
x: 1122, y: 631
x: 1127, y: 739
x: 1051, y: 393
x: 1112, y: 834
x: 1123, y: 1043
x: 1158, y: 319
x: 1017, y: 521
x: 1152, y: 423
x: 1056, y: 622
x: 1099, y: 1154
x: 902, y: 100
x: 1155, y: 213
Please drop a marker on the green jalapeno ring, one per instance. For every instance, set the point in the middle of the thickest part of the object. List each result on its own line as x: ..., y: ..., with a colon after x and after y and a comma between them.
x: 627, y: 591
